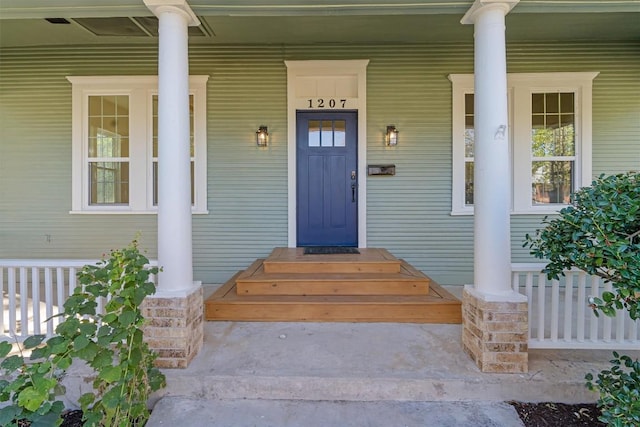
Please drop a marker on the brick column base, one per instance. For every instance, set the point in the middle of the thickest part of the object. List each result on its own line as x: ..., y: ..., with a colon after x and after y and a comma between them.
x: 174, y: 328
x: 495, y: 333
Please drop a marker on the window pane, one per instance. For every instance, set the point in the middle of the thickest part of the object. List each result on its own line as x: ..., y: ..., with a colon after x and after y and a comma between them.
x: 191, y: 139
x: 314, y: 133
x: 340, y: 132
x: 108, y: 183
x: 108, y: 133
x: 537, y: 103
x: 468, y: 104
x: 553, y: 134
x: 552, y: 103
x: 468, y: 183
x: 552, y: 182
x: 567, y: 103
x: 469, y: 136
x: 326, y: 133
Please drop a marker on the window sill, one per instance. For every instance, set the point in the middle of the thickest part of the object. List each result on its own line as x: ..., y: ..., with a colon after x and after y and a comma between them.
x: 128, y: 212
x: 538, y: 211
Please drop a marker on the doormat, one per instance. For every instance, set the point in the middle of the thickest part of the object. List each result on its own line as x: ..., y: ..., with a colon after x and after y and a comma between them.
x: 330, y: 250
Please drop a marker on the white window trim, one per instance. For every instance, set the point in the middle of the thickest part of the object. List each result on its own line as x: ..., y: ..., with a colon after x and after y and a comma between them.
x: 520, y: 87
x: 140, y: 90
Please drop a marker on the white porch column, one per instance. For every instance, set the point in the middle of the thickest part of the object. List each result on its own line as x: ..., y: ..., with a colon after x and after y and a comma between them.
x: 492, y: 190
x: 174, y: 158
x: 174, y: 315
x: 494, y: 317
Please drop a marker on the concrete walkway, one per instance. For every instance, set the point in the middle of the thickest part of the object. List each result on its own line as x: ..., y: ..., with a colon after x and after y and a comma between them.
x: 297, y: 374
x: 175, y: 411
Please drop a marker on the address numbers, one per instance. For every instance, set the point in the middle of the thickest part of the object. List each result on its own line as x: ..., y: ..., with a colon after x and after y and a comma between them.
x: 327, y: 103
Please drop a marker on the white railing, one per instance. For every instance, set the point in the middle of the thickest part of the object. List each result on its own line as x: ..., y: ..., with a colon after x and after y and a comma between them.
x: 560, y: 316
x: 33, y: 294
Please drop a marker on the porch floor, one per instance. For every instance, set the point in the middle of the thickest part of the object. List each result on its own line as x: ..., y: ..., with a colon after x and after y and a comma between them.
x: 359, y: 362
x: 372, y: 286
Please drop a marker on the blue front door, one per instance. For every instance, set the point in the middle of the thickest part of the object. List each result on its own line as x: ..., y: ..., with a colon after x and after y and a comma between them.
x: 327, y: 187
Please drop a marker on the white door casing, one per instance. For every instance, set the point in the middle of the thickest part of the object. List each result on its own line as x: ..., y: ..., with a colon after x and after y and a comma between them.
x: 331, y: 85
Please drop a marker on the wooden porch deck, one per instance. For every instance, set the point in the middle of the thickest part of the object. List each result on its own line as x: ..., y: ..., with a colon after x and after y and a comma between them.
x: 372, y: 286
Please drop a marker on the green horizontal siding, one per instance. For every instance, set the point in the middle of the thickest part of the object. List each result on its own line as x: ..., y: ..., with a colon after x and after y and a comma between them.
x: 247, y: 186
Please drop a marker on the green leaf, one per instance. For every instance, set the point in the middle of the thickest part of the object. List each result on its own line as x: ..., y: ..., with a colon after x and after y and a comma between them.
x: 48, y: 420
x: 127, y: 318
x: 5, y: 348
x: 8, y: 414
x: 12, y: 363
x: 110, y: 374
x: 31, y: 398
x: 33, y: 341
x: 80, y: 342
x: 89, y: 352
x: 86, y: 399
x: 58, y: 344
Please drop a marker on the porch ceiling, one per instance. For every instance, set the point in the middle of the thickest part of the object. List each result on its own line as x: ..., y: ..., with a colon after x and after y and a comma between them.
x: 324, y: 21
x: 374, y: 29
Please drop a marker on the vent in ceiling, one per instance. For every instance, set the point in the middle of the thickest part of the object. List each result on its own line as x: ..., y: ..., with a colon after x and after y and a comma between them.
x: 57, y: 20
x: 139, y: 26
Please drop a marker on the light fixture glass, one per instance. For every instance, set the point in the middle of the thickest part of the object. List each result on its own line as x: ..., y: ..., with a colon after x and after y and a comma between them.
x: 262, y: 136
x: 392, y: 136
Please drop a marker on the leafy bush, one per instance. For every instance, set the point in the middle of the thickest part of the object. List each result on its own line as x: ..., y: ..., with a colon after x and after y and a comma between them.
x: 619, y: 392
x: 600, y: 234
x: 111, y: 343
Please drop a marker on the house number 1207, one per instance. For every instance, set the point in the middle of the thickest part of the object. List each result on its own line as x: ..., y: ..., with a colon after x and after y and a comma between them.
x: 327, y: 103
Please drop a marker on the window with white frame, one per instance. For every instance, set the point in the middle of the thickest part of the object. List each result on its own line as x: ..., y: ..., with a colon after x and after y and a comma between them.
x: 115, y: 144
x: 549, y: 134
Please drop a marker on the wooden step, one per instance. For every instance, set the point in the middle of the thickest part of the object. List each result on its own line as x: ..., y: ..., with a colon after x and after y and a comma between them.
x: 293, y: 260
x: 255, y: 281
x: 438, y: 306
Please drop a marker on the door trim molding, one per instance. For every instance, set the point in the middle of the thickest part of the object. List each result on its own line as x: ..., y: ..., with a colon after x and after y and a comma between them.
x: 324, y: 79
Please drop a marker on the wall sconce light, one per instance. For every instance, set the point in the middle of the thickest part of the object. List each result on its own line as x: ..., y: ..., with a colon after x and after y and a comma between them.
x: 392, y: 136
x: 262, y: 136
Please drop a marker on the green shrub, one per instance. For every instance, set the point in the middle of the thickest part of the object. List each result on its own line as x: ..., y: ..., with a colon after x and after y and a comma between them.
x: 600, y: 234
x: 619, y: 389
x: 111, y: 343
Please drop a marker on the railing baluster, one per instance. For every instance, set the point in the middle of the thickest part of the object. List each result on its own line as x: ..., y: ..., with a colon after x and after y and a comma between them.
x: 542, y: 283
x: 555, y: 303
x: 12, y: 300
x: 529, y: 287
x: 24, y: 303
x: 581, y: 319
x: 61, y: 295
x: 48, y: 299
x: 595, y: 291
x: 633, y: 331
x: 568, y: 306
x: 35, y: 299
x: 2, y: 330
x: 621, y: 316
x: 606, y: 324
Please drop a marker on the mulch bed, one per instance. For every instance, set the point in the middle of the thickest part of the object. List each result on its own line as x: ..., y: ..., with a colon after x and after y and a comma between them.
x: 558, y: 414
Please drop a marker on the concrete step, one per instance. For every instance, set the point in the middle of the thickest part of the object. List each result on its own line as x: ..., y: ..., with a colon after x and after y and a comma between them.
x: 175, y: 411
